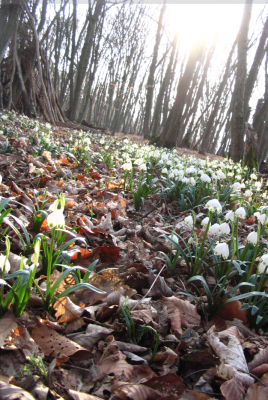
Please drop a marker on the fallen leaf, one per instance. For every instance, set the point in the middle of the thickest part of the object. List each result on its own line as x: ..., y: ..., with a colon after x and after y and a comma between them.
x: 231, y: 311
x: 181, y: 313
x: 259, y: 359
x: 82, y: 396
x: 233, y: 389
x: 136, y: 392
x: 67, y: 310
x: 167, y: 384
x: 11, y: 392
x: 256, y: 392
x: 21, y: 338
x: 93, y: 334
x: 7, y: 324
x: 55, y: 345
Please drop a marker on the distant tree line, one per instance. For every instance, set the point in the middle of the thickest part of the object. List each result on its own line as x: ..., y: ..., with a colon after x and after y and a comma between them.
x: 99, y: 68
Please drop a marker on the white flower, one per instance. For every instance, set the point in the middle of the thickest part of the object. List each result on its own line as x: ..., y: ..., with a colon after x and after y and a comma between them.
x: 192, y: 181
x: 1, y: 179
x: 214, y: 229
x: 262, y: 218
x: 214, y: 205
x: 2, y: 265
x: 143, y: 167
x: 205, y: 221
x: 236, y: 186
x: 224, y: 228
x: 229, y: 216
x: 263, y: 263
x: 164, y: 171
x: 189, y: 221
x: 4, y: 117
x: 127, y: 166
x: 240, y: 212
x: 205, y: 178
x: 56, y: 218
x: 252, y: 237
x: 253, y: 176
x: 174, y: 238
x: 222, y: 249
x: 221, y: 175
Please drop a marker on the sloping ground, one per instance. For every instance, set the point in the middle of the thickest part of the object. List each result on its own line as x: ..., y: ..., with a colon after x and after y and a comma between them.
x: 132, y: 334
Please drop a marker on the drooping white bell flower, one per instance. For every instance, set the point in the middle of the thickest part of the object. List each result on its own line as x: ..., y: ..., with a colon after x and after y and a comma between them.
x: 4, y: 265
x: 205, y: 178
x: 240, y: 213
x: 205, y: 221
x: 224, y: 228
x: 229, y: 216
x: 222, y: 249
x: 214, y: 205
x: 214, y: 229
x: 56, y: 219
x: 189, y: 221
x: 263, y: 264
x: 252, y: 237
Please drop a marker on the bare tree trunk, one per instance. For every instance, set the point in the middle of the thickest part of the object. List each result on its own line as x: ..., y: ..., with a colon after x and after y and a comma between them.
x: 151, y: 79
x: 238, y: 115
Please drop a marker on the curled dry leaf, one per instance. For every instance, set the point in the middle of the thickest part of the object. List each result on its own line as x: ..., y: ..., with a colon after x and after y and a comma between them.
x: 82, y: 396
x: 67, y: 310
x: 256, y: 392
x: 55, y: 345
x: 181, y: 313
x: 159, y: 286
x: 233, y: 389
x: 227, y: 372
x: 259, y: 359
x: 113, y: 361
x: 261, y: 370
x: 21, y: 338
x: 192, y: 395
x: 141, y: 392
x: 7, y: 323
x: 233, y: 310
x: 93, y: 334
x: 8, y: 392
x: 232, y: 353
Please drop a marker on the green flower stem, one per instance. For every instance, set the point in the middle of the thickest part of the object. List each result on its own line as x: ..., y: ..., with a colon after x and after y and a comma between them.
x: 254, y: 254
x: 199, y: 259
x: 49, y: 265
x: 227, y: 273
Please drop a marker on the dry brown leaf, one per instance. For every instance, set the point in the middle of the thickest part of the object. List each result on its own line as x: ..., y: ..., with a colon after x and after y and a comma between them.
x: 181, y: 313
x: 233, y: 389
x: 233, y: 310
x: 259, y: 359
x: 141, y: 373
x: 47, y: 155
x: 233, y: 331
x: 7, y: 323
x: 261, y: 370
x: 159, y: 286
x: 113, y: 361
x: 9, y: 392
x: 232, y: 353
x: 21, y: 338
x: 170, y: 384
x: 93, y: 334
x: 256, y: 392
x: 192, y: 395
x: 55, y: 345
x: 82, y: 396
x: 136, y: 392
x: 67, y: 310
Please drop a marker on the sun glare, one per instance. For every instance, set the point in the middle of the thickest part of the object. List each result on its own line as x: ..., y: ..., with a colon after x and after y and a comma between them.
x: 194, y: 21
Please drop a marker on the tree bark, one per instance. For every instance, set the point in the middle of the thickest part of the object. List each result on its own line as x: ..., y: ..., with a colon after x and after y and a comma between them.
x: 238, y: 114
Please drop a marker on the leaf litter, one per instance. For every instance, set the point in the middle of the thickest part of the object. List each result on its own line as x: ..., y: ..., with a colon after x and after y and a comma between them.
x: 101, y: 345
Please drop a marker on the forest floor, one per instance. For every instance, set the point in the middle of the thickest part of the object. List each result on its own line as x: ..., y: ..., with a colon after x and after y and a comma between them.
x: 134, y: 334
